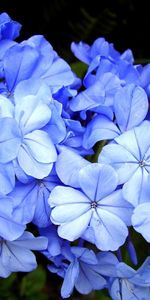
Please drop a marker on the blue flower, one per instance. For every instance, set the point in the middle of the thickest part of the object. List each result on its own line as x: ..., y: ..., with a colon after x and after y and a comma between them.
x: 130, y: 108
x: 10, y: 229
x: 21, y: 135
x: 55, y: 243
x: 9, y: 29
x: 35, y: 59
x: 141, y: 220
x: 131, y: 284
x: 7, y: 178
x: 129, y: 156
x: 16, y: 256
x: 96, y: 206
x: 68, y: 165
x: 30, y: 200
x: 100, y: 48
x: 100, y: 93
x: 81, y: 271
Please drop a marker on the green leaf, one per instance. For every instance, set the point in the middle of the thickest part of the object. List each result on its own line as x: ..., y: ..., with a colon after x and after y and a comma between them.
x: 142, y: 61
x: 6, y: 287
x: 33, y: 283
x: 101, y: 295
x: 79, y: 68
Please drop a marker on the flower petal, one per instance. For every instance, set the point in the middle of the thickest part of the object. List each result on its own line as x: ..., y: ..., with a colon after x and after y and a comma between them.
x: 97, y: 181
x: 141, y: 220
x: 73, y: 230
x: 109, y: 230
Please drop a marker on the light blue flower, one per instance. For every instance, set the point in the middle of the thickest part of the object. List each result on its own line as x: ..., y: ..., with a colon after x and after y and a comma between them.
x: 9, y: 29
x: 129, y: 156
x: 16, y: 256
x: 100, y: 48
x: 95, y: 206
x: 81, y: 271
x: 131, y: 284
x: 10, y: 229
x: 130, y: 109
x: 141, y: 220
x: 35, y: 59
x: 21, y: 135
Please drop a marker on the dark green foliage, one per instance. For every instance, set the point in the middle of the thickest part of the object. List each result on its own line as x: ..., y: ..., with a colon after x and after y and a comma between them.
x: 32, y: 285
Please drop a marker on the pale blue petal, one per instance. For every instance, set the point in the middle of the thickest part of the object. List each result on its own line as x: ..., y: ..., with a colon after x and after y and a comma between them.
x: 143, y: 140
x: 89, y: 279
x: 67, y: 213
x: 81, y: 51
x: 18, y: 259
x: 4, y: 272
x: 104, y: 181
x: 32, y: 86
x: 32, y: 114
x: 56, y: 128
x: 124, y: 271
x: 115, y: 291
x: 130, y: 105
x: 134, y: 188
x: 25, y: 199
x: 107, y: 263
x: 85, y: 255
x: 83, y: 285
x: 100, y: 128
x: 54, y: 247
x: 116, y: 204
x: 141, y: 220
x: 124, y: 163
x: 58, y: 75
x: 42, y: 210
x: 111, y: 83
x: 20, y: 174
x: 73, y: 230
x: 10, y: 139
x: 6, y: 108
x: 70, y: 278
x: 142, y: 276
x: 61, y: 195
x: 9, y: 228
x: 110, y: 231
x: 128, y: 140
x: 28, y: 241
x: 68, y: 165
x: 88, y: 99
x: 40, y: 146
x: 31, y: 166
x: 7, y: 178
x: 27, y: 59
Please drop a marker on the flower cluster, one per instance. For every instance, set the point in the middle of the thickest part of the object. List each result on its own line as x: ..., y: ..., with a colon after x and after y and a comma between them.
x: 74, y: 163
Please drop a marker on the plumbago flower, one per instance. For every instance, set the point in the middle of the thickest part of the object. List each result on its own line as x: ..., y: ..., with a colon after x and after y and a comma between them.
x: 30, y: 200
x: 124, y: 283
x: 95, y: 211
x: 80, y: 269
x: 17, y: 256
x: 35, y: 59
x: 9, y: 29
x: 22, y: 138
x: 129, y: 156
x: 129, y: 112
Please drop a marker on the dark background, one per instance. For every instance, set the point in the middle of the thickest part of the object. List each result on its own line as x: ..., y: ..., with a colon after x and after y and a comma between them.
x: 126, y: 23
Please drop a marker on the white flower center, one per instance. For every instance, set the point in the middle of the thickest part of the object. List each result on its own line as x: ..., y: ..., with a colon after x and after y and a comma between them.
x: 93, y: 204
